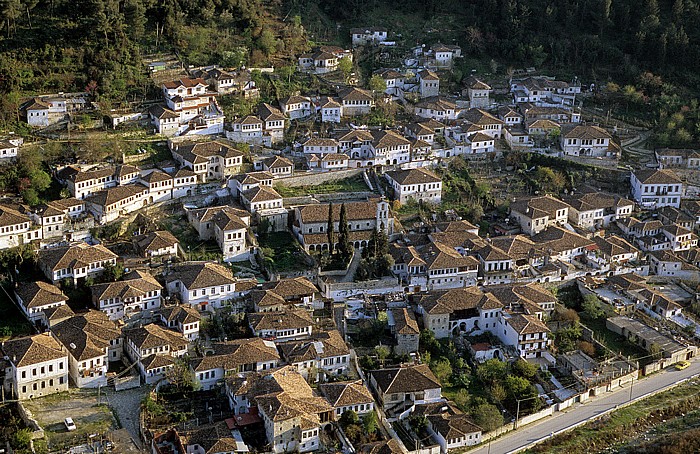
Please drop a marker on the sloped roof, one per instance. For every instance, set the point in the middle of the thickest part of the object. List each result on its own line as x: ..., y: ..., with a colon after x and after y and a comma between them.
x: 29, y: 350
x: 39, y: 293
x: 78, y: 255
x: 408, y: 379
x: 413, y: 176
x: 87, y: 335
x: 199, y: 275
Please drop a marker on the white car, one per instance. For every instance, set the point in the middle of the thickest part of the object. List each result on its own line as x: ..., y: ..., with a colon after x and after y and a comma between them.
x: 70, y: 425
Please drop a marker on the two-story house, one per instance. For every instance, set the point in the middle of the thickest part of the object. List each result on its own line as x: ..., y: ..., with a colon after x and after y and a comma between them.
x: 399, y: 388
x: 138, y: 293
x: 75, y: 262
x: 656, y: 188
x: 205, y: 285
x: 36, y: 366
x: 91, y: 341
x: 535, y: 214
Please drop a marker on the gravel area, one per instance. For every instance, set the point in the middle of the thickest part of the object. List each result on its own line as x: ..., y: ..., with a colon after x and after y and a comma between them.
x: 127, y: 406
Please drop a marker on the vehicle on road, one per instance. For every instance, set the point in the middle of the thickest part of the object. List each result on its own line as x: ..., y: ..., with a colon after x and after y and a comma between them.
x: 680, y: 365
x: 70, y: 425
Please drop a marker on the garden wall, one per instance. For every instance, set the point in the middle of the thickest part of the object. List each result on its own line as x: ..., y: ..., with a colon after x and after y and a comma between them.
x: 339, y: 291
x: 313, y: 179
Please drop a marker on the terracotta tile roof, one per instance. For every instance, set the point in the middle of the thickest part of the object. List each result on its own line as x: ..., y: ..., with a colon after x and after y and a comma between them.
x: 538, y: 207
x: 356, y: 211
x: 427, y: 74
x: 277, y: 162
x: 261, y: 194
x: 30, y: 350
x: 596, y: 201
x: 116, y: 194
x: 321, y: 142
x: 584, y: 132
x: 405, y: 321
x: 233, y: 354
x: 199, y: 275
x: 355, y: 94
x: 253, y: 177
x: 212, y: 438
x: 436, y: 103
x: 614, y: 245
x: 150, y: 336
x: 10, y: 216
x: 653, y: 176
x: 87, y: 335
x: 154, y: 241
x: 382, y: 447
x: 343, y: 394
x: 408, y: 379
x: 210, y: 214
x: 413, y: 176
x: 557, y: 240
x: 459, y: 299
x: 76, y: 256
x: 185, y: 83
x: 156, y: 361
x: 279, y: 320
x: 38, y: 294
x: 481, y: 117
x: 135, y: 285
x: 475, y: 84
x: 527, y: 324
x: 161, y: 112
x: 269, y: 113
x: 184, y: 314
x: 292, y: 288
x: 453, y: 427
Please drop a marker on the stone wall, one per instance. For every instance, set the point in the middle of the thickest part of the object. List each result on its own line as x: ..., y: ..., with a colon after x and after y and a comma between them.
x: 316, y: 178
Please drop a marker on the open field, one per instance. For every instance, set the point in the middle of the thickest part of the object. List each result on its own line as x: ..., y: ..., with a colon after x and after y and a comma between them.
x: 81, y: 405
x: 352, y: 184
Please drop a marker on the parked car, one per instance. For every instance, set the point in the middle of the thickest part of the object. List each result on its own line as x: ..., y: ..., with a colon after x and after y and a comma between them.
x: 70, y: 425
x: 680, y: 365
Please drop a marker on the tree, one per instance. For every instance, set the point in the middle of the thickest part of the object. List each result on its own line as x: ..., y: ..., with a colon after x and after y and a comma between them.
x: 442, y: 370
x: 113, y: 273
x: 498, y: 392
x: 330, y: 229
x: 587, y: 348
x: 487, y: 416
x: 370, y: 422
x: 377, y: 84
x: 491, y: 371
x: 354, y: 432
x: 524, y: 369
x: 344, y: 245
x: 348, y: 417
x: 182, y: 377
x: 382, y: 352
x: 22, y: 438
x: 592, y: 307
x: 461, y: 399
x: 345, y: 67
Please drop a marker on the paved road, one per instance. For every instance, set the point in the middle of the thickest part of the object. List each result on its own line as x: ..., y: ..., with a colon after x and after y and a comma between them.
x: 514, y: 441
x: 127, y: 405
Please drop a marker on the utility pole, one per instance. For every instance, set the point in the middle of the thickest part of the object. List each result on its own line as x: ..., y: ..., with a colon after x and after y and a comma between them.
x: 517, y: 415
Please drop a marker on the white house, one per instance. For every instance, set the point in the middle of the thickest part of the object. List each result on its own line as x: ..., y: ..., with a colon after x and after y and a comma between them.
x: 36, y: 366
x: 586, y: 140
x: 204, y: 285
x: 91, y: 341
x: 75, y: 262
x: 656, y: 188
x: 419, y: 184
x: 35, y: 297
x: 137, y: 294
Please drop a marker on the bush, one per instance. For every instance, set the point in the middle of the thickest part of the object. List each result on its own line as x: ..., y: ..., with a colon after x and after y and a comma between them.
x: 22, y: 439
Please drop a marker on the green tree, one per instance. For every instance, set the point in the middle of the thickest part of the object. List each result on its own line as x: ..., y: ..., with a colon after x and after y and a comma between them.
x: 377, y: 84
x: 487, y: 416
x: 370, y: 422
x: 348, y: 417
x: 442, y: 370
x: 382, y: 352
x: 592, y: 307
x: 22, y: 438
x: 345, y: 67
x: 344, y: 245
x: 330, y: 229
x: 113, y: 273
x: 524, y: 369
x: 267, y: 42
x: 491, y: 371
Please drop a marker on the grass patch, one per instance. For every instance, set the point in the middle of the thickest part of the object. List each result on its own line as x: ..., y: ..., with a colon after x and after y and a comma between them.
x: 283, y: 253
x: 614, y: 341
x: 190, y: 243
x: 351, y: 184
